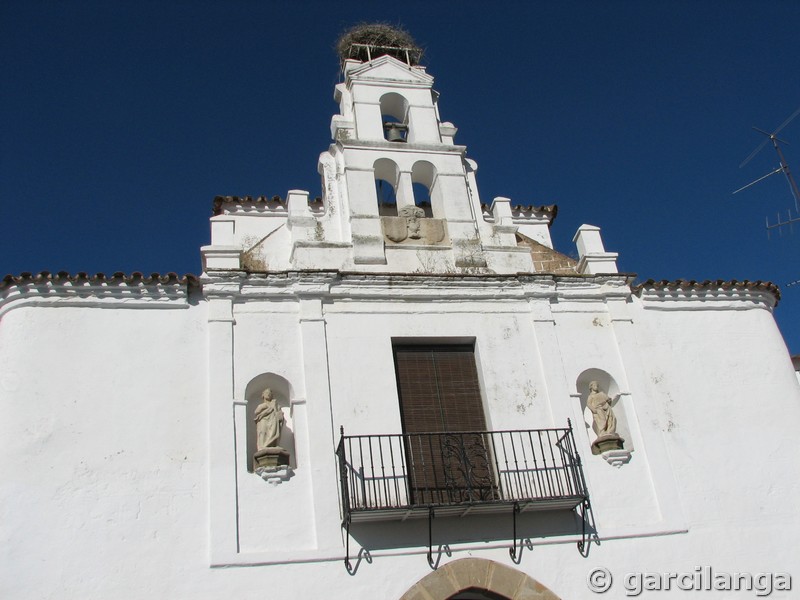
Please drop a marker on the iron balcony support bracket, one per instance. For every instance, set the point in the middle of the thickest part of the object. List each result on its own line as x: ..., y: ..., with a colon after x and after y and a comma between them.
x: 346, y: 525
x: 585, y: 540
x: 513, y: 550
x: 430, y: 538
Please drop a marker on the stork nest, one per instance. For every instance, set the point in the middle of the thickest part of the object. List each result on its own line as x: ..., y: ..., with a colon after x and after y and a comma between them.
x: 381, y: 39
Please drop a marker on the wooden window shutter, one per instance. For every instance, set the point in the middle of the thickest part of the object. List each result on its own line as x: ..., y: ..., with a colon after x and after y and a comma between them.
x: 438, y: 389
x: 439, y: 395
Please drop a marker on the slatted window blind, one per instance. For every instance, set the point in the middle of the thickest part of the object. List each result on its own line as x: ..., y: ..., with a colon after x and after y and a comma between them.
x: 438, y: 387
x: 439, y: 393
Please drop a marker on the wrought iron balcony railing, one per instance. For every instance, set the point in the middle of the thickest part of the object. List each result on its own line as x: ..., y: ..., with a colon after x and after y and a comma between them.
x: 401, y: 475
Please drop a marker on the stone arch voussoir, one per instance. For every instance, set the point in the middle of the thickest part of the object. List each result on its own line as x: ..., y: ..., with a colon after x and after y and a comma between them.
x: 481, y: 574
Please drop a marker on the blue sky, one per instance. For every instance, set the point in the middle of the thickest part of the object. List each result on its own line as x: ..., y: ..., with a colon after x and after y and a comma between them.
x: 121, y: 120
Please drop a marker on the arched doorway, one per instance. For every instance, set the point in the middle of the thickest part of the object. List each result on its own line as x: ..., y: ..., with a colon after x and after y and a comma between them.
x: 478, y: 579
x: 477, y: 594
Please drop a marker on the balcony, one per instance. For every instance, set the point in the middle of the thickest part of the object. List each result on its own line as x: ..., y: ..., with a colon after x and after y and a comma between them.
x: 400, y: 476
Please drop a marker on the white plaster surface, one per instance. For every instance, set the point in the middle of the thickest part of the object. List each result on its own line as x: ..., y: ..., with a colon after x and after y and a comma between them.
x: 104, y: 444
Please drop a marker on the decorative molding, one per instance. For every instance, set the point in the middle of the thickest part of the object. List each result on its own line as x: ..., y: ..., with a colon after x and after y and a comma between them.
x: 100, y: 291
x: 289, y: 284
x: 616, y: 458
x: 415, y: 147
x: 399, y: 287
x: 524, y: 214
x: 265, y: 204
x: 275, y: 475
x: 708, y: 294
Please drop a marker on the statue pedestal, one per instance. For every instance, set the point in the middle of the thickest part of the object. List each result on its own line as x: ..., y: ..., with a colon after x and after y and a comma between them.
x: 616, y: 458
x: 270, y: 457
x: 272, y: 465
x: 604, y: 443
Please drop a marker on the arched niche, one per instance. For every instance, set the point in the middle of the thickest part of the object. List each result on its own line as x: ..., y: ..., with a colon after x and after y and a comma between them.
x: 423, y: 176
x: 387, y: 175
x: 478, y: 579
x: 609, y: 385
x: 283, y: 393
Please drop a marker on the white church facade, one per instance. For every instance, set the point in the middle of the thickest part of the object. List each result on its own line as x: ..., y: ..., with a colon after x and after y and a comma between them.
x: 395, y: 391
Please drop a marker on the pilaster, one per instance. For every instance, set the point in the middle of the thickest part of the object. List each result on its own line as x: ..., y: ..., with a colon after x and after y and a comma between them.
x: 318, y: 412
x: 550, y: 360
x: 223, y: 540
x: 641, y: 415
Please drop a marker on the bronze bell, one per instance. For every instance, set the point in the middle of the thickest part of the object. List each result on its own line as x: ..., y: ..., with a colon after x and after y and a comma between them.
x: 395, y: 132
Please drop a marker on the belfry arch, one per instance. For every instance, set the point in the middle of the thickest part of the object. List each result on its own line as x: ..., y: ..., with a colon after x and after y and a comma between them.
x: 394, y: 113
x: 468, y: 578
x: 423, y: 175
x: 387, y: 180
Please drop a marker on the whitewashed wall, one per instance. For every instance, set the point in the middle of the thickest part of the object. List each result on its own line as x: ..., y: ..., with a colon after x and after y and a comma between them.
x: 105, y: 428
x: 103, y: 452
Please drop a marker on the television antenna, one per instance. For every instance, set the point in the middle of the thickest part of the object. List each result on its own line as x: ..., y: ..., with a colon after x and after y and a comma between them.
x: 784, y: 167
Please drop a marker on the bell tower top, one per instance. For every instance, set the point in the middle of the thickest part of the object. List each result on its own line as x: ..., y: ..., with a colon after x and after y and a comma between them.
x: 386, y: 95
x: 367, y: 41
x: 399, y: 195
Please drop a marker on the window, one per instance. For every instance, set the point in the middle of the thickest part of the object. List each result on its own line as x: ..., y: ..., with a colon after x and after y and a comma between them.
x: 442, y: 416
x: 438, y: 388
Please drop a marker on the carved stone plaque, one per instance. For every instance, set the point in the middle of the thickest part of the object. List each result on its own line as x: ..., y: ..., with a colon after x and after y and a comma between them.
x: 412, y: 227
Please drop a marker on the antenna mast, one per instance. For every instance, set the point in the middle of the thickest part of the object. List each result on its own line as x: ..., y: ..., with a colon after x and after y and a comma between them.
x: 784, y: 167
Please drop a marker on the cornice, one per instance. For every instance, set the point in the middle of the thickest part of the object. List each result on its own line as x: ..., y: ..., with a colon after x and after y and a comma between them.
x: 63, y: 289
x: 137, y: 289
x: 524, y: 213
x: 408, y: 147
x: 399, y: 287
x: 711, y: 294
x: 232, y: 204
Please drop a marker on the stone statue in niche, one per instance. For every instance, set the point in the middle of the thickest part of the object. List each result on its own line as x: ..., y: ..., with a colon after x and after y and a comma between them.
x: 269, y: 421
x: 600, y: 404
x: 411, y: 224
x: 605, y: 421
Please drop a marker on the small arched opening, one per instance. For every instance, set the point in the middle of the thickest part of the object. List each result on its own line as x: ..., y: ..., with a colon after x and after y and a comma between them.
x: 394, y: 114
x: 423, y: 178
x: 387, y: 175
